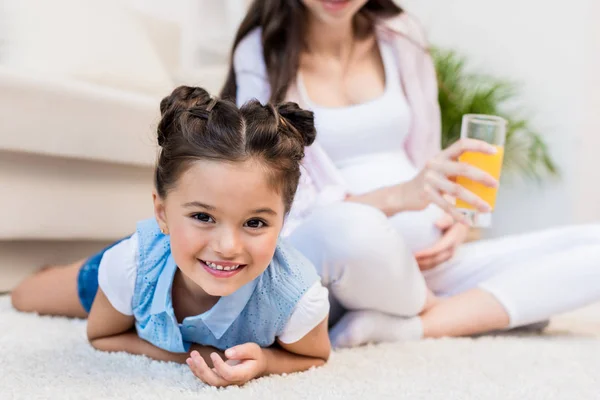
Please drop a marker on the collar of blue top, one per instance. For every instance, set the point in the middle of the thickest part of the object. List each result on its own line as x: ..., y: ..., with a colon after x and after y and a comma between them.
x: 218, y: 319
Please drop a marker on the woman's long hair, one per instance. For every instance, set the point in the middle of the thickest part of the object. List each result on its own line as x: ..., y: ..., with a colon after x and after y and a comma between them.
x: 282, y: 23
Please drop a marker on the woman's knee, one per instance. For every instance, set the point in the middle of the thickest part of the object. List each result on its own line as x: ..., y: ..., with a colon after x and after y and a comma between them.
x: 362, y: 258
x: 349, y: 231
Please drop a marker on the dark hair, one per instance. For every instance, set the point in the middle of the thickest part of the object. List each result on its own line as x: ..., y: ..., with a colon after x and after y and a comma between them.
x: 283, y: 28
x: 195, y: 126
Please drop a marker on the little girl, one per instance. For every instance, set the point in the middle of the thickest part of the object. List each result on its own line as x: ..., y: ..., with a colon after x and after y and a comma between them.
x: 207, y: 279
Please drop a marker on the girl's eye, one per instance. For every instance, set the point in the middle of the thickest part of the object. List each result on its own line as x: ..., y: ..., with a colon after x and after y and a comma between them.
x: 255, y: 223
x: 202, y: 217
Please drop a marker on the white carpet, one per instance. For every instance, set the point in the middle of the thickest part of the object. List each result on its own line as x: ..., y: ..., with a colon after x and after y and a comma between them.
x: 49, y: 358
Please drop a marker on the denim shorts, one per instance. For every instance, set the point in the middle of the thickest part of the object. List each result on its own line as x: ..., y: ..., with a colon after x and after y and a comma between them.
x: 87, y: 279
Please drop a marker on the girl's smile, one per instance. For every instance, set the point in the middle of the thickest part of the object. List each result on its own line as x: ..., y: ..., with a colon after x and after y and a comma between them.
x: 222, y: 269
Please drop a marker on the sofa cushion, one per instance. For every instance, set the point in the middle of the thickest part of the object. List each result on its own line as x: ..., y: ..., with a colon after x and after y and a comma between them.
x: 76, y: 120
x: 20, y: 259
x: 63, y: 199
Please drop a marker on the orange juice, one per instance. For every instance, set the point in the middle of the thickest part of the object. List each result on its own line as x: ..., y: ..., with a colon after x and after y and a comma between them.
x: 490, y: 163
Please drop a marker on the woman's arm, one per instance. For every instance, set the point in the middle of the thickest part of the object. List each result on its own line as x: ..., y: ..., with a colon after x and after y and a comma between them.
x: 250, y: 70
x: 433, y: 182
x: 390, y: 200
x: 109, y: 330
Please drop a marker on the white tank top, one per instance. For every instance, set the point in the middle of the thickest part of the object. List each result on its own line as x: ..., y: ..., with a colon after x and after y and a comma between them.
x: 366, y: 143
x: 367, y: 139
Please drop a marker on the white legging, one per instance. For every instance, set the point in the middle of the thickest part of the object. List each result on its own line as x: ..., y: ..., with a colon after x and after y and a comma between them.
x: 366, y: 264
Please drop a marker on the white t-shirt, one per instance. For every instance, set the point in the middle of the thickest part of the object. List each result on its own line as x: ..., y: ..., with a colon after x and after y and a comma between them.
x: 118, y: 271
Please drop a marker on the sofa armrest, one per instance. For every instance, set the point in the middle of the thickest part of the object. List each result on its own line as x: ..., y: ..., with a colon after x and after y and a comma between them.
x: 68, y: 118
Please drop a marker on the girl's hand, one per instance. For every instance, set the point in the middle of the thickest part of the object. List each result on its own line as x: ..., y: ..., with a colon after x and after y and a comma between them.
x: 436, y: 180
x: 454, y: 234
x: 245, y: 362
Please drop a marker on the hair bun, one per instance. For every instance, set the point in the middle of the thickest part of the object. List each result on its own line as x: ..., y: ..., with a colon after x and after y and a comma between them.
x: 183, y: 98
x: 302, y: 120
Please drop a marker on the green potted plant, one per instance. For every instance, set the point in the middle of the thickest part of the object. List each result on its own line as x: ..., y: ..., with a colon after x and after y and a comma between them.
x: 463, y: 92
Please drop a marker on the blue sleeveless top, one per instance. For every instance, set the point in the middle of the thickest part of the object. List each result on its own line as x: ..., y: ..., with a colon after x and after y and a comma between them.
x: 257, y: 312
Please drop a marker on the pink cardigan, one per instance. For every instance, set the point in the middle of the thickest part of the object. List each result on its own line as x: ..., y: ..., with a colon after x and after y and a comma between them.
x: 321, y: 182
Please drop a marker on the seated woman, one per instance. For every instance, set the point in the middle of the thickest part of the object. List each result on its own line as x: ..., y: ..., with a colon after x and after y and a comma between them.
x: 370, y: 211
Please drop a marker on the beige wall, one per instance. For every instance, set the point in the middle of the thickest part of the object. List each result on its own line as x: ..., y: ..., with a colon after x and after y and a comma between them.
x: 551, y: 48
x: 587, y: 165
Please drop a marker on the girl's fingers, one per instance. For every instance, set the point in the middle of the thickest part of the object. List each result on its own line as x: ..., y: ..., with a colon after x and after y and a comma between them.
x: 203, y: 372
x: 244, y: 351
x: 225, y: 370
x: 194, y: 368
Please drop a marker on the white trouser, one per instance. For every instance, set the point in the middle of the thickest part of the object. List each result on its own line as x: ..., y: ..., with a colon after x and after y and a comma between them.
x: 365, y: 263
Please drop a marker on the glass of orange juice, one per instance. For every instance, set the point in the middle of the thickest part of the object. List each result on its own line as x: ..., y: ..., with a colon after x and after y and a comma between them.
x: 490, y: 129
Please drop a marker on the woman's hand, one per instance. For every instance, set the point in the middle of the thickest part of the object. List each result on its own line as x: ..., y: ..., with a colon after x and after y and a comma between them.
x: 437, y: 179
x: 245, y: 362
x: 454, y: 234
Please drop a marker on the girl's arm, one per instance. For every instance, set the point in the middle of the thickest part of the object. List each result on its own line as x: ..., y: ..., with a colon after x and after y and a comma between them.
x: 311, y: 351
x: 249, y: 361
x: 109, y: 330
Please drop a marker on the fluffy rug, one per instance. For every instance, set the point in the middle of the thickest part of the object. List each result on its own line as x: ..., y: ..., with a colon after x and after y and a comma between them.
x: 49, y: 358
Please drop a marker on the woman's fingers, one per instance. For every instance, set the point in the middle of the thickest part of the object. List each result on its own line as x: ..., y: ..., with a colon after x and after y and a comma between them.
x: 436, y: 198
x: 445, y: 243
x: 444, y: 166
x: 463, y: 145
x: 455, y: 168
x: 450, y: 240
x: 442, y: 184
x: 433, y: 261
x: 444, y: 222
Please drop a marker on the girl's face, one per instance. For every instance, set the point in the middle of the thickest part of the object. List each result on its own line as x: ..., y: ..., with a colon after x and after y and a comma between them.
x: 224, y: 220
x: 334, y: 12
